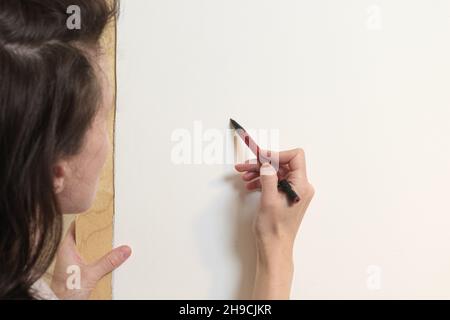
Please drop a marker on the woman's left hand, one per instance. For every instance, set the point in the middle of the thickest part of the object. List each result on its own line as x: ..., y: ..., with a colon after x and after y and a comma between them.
x: 73, y: 278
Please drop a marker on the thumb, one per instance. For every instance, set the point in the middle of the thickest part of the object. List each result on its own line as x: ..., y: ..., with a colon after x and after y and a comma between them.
x: 109, y: 262
x: 269, y: 183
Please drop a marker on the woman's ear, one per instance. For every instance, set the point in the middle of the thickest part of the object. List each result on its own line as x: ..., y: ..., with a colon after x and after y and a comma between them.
x: 59, y: 176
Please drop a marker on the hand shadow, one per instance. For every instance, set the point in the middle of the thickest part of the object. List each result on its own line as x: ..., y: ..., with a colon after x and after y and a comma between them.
x: 229, y: 232
x: 243, y: 239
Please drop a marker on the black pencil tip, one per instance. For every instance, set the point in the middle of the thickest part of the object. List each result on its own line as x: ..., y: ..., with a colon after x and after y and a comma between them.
x: 235, y: 124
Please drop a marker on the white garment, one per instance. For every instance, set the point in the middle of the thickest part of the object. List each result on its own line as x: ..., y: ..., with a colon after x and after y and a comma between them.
x: 43, y: 291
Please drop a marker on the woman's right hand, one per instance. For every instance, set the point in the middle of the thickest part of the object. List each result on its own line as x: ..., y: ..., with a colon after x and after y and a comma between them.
x: 278, y: 221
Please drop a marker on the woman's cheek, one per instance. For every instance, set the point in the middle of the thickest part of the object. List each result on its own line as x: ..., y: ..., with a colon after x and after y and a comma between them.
x: 95, y: 166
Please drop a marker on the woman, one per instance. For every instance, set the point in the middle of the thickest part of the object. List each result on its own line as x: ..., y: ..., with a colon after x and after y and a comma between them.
x: 54, y: 102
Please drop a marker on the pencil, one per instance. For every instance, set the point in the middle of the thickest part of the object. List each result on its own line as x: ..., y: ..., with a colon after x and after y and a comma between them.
x: 283, y: 185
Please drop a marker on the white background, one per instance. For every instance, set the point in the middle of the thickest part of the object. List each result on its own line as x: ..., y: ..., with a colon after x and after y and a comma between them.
x: 362, y: 86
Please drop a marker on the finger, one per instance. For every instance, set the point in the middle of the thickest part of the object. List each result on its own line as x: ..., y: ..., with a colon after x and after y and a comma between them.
x: 294, y: 159
x: 110, y: 262
x: 242, y: 167
x: 283, y: 171
x: 249, y: 176
x: 269, y: 184
x: 256, y: 175
x: 254, y: 185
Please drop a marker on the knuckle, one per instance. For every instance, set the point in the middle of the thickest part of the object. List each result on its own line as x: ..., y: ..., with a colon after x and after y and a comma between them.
x: 269, y: 206
x: 309, y: 191
x: 112, y: 260
x: 300, y: 151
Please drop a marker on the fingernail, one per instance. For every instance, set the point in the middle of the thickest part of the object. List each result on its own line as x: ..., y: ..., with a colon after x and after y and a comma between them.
x: 126, y: 253
x: 267, y: 170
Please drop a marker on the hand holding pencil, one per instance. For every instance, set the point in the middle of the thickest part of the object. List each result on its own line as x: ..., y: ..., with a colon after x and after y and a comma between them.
x: 277, y: 223
x: 264, y: 177
x: 263, y: 157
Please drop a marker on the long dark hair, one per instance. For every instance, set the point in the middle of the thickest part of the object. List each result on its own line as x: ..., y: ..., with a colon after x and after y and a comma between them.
x: 49, y: 96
